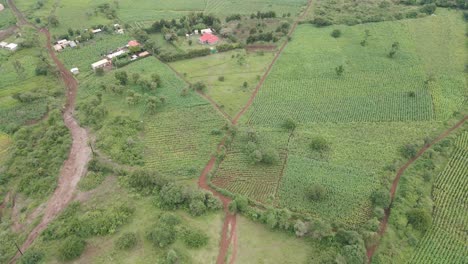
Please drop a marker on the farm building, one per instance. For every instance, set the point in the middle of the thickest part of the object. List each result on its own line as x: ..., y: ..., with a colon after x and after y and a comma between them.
x: 95, y: 31
x: 120, y: 31
x: 75, y: 71
x: 58, y: 47
x: 3, y: 44
x: 133, y: 43
x: 63, y: 42
x: 12, y: 46
x: 101, y: 64
x: 72, y: 44
x: 206, y: 31
x: 143, y: 54
x: 209, y: 39
x: 115, y: 54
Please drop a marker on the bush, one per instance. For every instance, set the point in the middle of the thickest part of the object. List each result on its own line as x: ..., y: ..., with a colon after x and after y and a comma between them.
x: 126, y: 241
x: 221, y: 78
x: 169, y: 219
x: 316, y: 192
x: 420, y: 219
x: 195, y: 238
x: 32, y: 256
x: 381, y: 198
x: 199, y: 86
x: 289, y: 124
x: 162, y: 236
x: 336, y: 33
x: 72, y: 247
x: 408, y: 151
x: 319, y: 144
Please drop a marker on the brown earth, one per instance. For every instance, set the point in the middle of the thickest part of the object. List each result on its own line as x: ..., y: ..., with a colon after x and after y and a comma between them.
x: 80, y: 153
x: 384, y: 222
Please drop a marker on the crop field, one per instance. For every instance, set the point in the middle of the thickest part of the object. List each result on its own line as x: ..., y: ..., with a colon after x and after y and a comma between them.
x: 445, y: 241
x: 236, y: 67
x: 5, y: 142
x: 373, y: 86
x: 92, y: 51
x: 178, y: 141
x: 248, y: 7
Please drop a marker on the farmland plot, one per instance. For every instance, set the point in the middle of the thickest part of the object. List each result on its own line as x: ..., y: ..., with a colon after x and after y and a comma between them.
x: 445, y: 241
x: 248, y: 7
x: 304, y: 85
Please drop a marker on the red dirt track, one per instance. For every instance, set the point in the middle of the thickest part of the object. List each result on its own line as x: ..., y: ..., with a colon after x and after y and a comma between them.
x: 384, y: 222
x: 80, y: 153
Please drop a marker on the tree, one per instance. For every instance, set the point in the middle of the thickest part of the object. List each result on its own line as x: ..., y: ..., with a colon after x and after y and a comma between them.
x: 339, y: 70
x: 420, y: 219
x: 394, y: 49
x: 289, y: 124
x: 162, y: 236
x: 316, y: 192
x: 122, y: 77
x: 270, y: 156
x: 408, y: 151
x: 53, y: 21
x: 171, y: 257
x: 300, y: 228
x: 197, y: 207
x: 135, y: 77
x: 320, y: 229
x: 171, y: 196
x: 156, y: 78
x: 195, y: 238
x: 336, y: 33
x: 71, y: 248
x: 126, y: 241
x: 381, y: 198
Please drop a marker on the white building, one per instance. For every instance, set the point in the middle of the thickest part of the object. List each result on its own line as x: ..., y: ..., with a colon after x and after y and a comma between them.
x: 101, y: 64
x: 58, y: 47
x: 72, y: 44
x: 75, y: 71
x: 206, y: 30
x: 116, y: 54
x: 3, y: 44
x: 12, y: 46
x: 63, y: 42
x: 96, y: 31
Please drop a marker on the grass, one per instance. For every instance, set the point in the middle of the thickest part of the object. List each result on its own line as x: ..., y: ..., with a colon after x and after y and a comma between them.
x: 304, y: 86
x: 7, y: 18
x: 236, y: 67
x: 446, y: 241
x: 257, y: 244
x: 5, y: 142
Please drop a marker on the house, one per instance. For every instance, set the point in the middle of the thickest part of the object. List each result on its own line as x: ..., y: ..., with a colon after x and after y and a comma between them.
x: 133, y: 43
x: 63, y: 42
x: 115, y: 54
x: 101, y: 64
x: 72, y: 44
x: 95, y: 31
x: 12, y: 46
x: 209, y: 39
x: 58, y: 47
x: 143, y: 54
x: 120, y: 31
x: 75, y: 71
x: 206, y: 31
x: 3, y: 44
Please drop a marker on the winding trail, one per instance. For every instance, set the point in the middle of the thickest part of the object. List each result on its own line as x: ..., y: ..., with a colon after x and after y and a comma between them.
x: 80, y: 153
x: 383, y: 224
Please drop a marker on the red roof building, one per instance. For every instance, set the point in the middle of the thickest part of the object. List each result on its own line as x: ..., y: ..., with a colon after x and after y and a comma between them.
x: 209, y: 39
x: 133, y: 43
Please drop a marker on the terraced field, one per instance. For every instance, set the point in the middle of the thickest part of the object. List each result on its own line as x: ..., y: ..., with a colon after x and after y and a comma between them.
x: 304, y: 85
x: 446, y: 241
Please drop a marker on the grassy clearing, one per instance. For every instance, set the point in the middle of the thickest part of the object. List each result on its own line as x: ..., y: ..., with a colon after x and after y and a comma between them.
x: 446, y: 240
x: 257, y: 244
x: 304, y: 85
x: 7, y: 18
x: 236, y: 67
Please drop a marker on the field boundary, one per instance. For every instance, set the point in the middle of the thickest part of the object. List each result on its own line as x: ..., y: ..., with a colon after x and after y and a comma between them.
x: 384, y: 222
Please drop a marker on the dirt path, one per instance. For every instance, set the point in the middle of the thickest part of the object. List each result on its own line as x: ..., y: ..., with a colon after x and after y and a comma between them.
x: 384, y: 222
x: 7, y: 32
x: 80, y: 153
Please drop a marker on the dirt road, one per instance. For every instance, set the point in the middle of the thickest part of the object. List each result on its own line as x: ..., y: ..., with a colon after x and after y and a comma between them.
x: 80, y: 153
x: 384, y: 222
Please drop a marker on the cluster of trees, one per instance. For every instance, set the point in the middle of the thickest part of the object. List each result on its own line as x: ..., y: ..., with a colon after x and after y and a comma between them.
x: 263, y: 15
x: 258, y: 153
x: 106, y: 9
x: 442, y: 3
x: 186, y: 24
x: 233, y: 17
x: 266, y: 37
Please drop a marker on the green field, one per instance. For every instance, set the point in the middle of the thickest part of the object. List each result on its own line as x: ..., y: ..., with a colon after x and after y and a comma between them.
x: 236, y: 67
x: 5, y: 142
x: 7, y: 18
x: 304, y: 86
x: 445, y: 242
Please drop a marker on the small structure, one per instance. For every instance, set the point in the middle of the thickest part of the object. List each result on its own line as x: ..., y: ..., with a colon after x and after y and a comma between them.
x: 117, y: 26
x: 63, y: 42
x: 75, y: 71
x: 120, y: 31
x: 143, y: 54
x: 58, y: 47
x: 206, y: 31
x: 12, y: 46
x: 3, y: 44
x: 134, y: 57
x: 209, y: 39
x: 101, y: 64
x: 115, y: 54
x: 133, y: 43
x: 72, y: 44
x: 95, y: 31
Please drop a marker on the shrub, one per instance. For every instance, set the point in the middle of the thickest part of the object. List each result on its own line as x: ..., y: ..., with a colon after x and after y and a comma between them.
x: 289, y: 124
x: 71, y: 248
x: 32, y: 256
x: 381, y: 198
x: 300, y: 228
x: 336, y: 33
x: 420, y: 219
x: 169, y: 219
x: 126, y: 241
x: 316, y: 192
x: 270, y: 156
x: 197, y: 208
x: 162, y: 236
x: 199, y: 86
x: 408, y: 151
x: 221, y: 78
x: 319, y: 144
x: 195, y: 238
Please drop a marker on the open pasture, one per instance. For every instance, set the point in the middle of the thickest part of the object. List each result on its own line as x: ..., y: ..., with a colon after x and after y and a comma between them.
x: 304, y: 85
x: 235, y: 67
